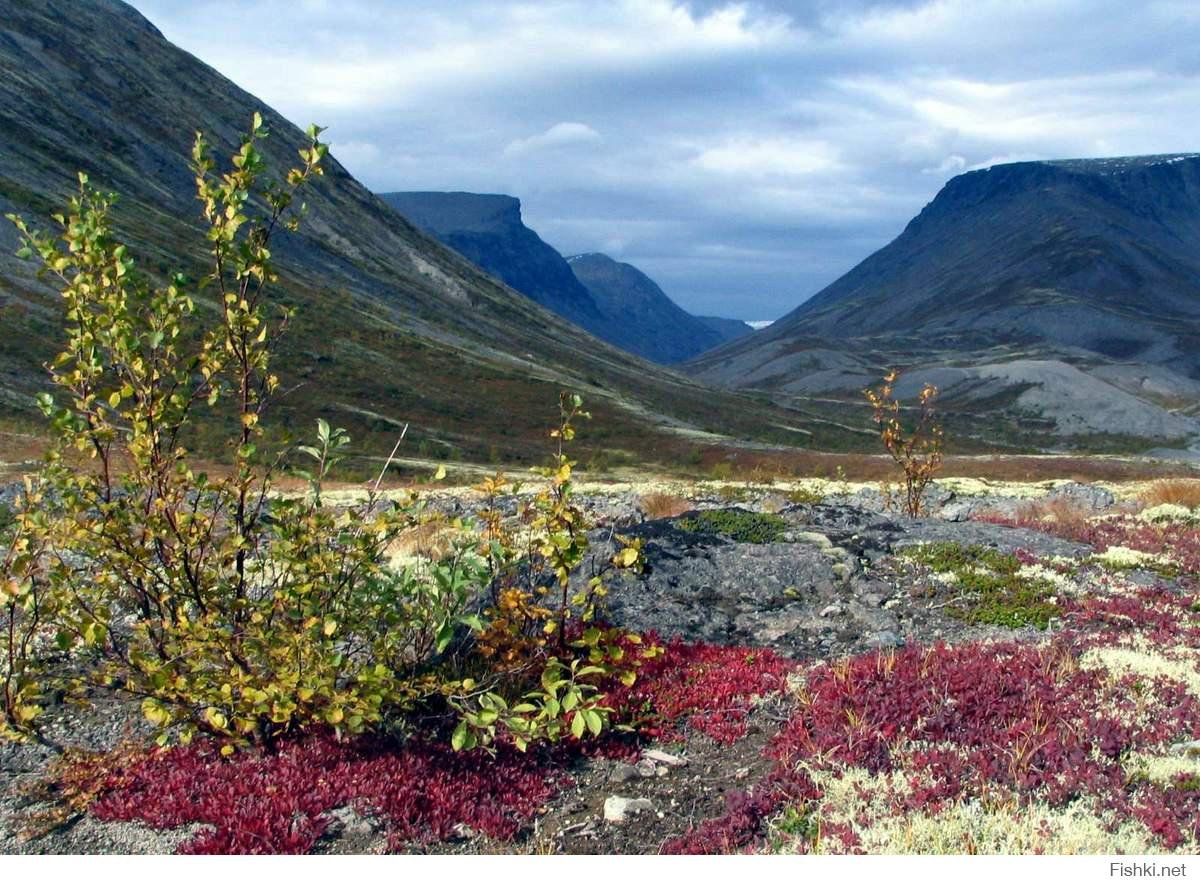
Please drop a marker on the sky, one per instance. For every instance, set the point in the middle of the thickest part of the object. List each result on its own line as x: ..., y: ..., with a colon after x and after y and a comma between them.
x: 743, y: 154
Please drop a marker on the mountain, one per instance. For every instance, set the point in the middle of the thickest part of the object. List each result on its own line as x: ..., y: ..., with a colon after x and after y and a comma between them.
x: 641, y: 318
x: 726, y: 328
x: 391, y: 327
x: 488, y: 230
x: 1053, y: 288
x: 615, y: 302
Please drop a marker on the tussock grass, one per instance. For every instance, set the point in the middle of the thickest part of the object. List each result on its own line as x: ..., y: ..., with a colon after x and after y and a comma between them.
x: 664, y: 505
x: 1181, y: 492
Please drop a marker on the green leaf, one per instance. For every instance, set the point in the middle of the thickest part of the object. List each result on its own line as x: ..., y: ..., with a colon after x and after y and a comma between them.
x: 577, y: 725
x: 458, y: 740
x: 593, y: 720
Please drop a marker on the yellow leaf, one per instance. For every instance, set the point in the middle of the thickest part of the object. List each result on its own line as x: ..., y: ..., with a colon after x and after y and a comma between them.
x: 215, y: 718
x: 627, y: 557
x: 330, y: 627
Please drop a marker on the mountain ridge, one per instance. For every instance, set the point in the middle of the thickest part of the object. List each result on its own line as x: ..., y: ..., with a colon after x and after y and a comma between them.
x: 1088, y: 263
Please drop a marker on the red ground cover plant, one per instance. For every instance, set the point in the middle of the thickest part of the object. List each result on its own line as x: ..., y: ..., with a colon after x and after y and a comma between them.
x: 280, y: 803
x: 962, y: 722
x: 420, y: 791
x: 705, y: 687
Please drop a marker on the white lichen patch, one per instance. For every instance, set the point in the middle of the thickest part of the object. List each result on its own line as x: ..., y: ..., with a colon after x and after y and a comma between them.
x: 1168, y: 513
x: 872, y: 807
x: 1056, y: 579
x: 1141, y: 659
x: 1128, y: 558
x: 974, y: 828
x: 1162, y: 770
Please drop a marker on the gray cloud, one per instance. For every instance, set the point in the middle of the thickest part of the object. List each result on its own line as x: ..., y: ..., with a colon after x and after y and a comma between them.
x: 742, y: 154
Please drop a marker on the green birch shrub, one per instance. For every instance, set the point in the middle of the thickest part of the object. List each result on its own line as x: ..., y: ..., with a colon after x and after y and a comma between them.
x: 543, y: 651
x: 220, y: 605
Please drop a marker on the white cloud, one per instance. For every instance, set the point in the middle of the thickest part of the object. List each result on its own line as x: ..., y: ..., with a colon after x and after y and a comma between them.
x: 557, y: 136
x: 952, y: 165
x: 756, y: 158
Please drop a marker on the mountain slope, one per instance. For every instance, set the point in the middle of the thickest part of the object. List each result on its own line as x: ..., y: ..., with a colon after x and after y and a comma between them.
x: 391, y: 326
x: 642, y: 319
x: 1089, y: 264
x: 726, y: 328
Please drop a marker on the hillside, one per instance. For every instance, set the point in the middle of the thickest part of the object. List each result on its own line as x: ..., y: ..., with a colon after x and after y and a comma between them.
x: 641, y: 318
x: 1066, y: 289
x: 391, y: 327
x: 615, y: 302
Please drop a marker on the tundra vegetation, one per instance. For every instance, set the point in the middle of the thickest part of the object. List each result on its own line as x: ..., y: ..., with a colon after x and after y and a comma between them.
x: 299, y: 653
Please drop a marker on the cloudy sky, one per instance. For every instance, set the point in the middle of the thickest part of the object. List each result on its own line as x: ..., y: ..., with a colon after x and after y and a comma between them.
x: 742, y: 154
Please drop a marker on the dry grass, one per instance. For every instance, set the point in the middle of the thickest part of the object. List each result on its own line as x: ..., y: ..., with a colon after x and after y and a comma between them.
x: 747, y: 465
x: 1184, y: 492
x: 661, y: 505
x: 1060, y: 511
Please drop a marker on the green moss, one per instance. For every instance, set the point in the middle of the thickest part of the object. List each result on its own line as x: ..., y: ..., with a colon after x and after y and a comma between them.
x: 742, y: 526
x: 992, y: 591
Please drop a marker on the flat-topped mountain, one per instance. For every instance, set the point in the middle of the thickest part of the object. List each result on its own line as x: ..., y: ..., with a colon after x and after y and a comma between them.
x: 391, y: 326
x: 615, y: 302
x: 1093, y: 264
x: 488, y: 230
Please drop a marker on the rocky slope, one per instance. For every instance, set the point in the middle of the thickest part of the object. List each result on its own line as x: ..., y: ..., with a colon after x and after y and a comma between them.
x: 392, y: 327
x: 1084, y: 270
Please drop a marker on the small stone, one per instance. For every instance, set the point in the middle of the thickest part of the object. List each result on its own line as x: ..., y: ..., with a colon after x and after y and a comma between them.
x: 831, y: 611
x: 623, y: 772
x: 891, y: 604
x: 645, y: 767
x: 874, y: 600
x: 665, y: 758
x: 345, y: 821
x: 661, y: 771
x: 618, y: 808
x: 884, y: 639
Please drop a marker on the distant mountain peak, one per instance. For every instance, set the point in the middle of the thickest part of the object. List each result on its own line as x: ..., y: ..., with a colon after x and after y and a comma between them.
x: 612, y: 300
